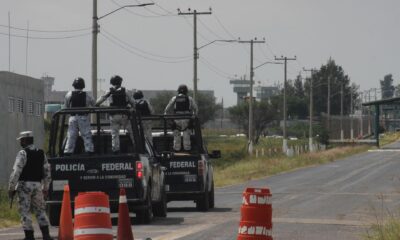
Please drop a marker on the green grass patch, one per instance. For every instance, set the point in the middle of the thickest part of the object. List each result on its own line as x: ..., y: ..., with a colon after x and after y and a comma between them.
x: 387, y: 230
x: 8, y: 217
x: 236, y: 166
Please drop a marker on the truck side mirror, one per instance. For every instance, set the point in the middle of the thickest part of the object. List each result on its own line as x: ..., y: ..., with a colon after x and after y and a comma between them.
x: 215, y: 154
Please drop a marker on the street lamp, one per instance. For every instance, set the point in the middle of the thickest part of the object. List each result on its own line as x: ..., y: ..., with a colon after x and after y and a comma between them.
x: 250, y: 147
x: 310, y: 133
x: 218, y: 40
x: 95, y: 31
x: 196, y: 56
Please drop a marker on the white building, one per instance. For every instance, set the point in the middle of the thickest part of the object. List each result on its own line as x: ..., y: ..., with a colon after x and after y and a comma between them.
x: 22, y: 104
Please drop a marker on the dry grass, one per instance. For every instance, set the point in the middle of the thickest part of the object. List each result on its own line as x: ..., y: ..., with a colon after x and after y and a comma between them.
x: 8, y: 217
x: 253, y: 168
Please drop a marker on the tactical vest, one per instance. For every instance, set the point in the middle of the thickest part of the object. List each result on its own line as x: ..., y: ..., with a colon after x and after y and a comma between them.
x: 182, y: 103
x: 33, y: 170
x: 118, y: 97
x: 143, y: 107
x: 78, y: 99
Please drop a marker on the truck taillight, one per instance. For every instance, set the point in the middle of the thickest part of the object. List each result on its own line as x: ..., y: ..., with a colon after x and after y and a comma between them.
x: 201, y: 167
x: 139, y: 169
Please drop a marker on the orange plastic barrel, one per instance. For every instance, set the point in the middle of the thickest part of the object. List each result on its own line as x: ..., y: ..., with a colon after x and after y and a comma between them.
x: 256, y: 215
x: 92, y: 217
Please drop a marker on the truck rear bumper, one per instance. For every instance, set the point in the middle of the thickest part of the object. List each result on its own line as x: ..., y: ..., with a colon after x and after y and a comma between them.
x: 184, y: 196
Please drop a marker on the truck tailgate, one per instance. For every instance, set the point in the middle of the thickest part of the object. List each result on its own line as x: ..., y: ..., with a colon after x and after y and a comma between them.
x: 182, y: 173
x: 95, y: 173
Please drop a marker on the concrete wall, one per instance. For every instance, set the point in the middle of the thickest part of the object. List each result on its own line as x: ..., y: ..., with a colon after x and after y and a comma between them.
x: 12, y: 121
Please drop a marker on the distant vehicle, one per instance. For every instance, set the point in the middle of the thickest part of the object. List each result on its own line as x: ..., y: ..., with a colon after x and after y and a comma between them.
x: 293, y: 138
x: 136, y: 168
x: 189, y: 175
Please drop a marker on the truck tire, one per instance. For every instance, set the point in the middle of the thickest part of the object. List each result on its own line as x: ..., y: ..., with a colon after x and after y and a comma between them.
x: 53, y: 212
x: 160, y: 208
x: 146, y: 215
x: 203, y: 203
x: 211, y: 197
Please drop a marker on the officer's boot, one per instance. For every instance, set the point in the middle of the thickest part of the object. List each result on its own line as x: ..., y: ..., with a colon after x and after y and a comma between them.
x: 45, y: 233
x: 29, y: 235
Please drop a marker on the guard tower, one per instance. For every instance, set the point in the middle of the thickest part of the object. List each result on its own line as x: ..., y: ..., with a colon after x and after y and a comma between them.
x: 241, y: 87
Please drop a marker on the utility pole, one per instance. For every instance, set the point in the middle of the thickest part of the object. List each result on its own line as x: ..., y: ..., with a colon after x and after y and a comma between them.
x: 251, y: 130
x: 285, y: 59
x: 195, y: 49
x: 341, y: 112
x: 329, y: 105
x: 310, y: 133
x: 9, y: 42
x: 95, y: 31
x: 351, y: 115
x: 362, y: 119
x: 369, y: 113
x: 26, y: 52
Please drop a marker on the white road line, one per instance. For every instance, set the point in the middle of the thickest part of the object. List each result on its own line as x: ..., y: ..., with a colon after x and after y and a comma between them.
x: 321, y: 221
x: 384, y: 150
x: 184, y: 232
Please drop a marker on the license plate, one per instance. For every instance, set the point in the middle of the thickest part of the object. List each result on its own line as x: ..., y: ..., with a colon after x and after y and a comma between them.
x: 125, y: 183
x: 190, y: 178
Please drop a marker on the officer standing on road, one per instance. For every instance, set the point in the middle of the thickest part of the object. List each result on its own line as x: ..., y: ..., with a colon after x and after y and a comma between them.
x: 30, y: 171
x: 183, y: 104
x: 78, y: 122
x: 118, y: 99
x: 144, y: 108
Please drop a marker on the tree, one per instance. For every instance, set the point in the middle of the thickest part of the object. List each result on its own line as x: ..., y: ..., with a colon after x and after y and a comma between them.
x: 387, y: 86
x: 297, y: 104
x: 205, y: 102
x: 263, y: 114
x: 298, y: 87
x: 337, y: 78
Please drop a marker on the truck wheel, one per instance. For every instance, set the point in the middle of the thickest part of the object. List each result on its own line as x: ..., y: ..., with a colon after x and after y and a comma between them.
x: 53, y: 212
x: 160, y: 208
x: 211, y: 198
x: 146, y: 215
x: 203, y: 203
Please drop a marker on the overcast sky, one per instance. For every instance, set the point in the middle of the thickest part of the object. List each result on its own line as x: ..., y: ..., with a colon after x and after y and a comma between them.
x: 360, y: 35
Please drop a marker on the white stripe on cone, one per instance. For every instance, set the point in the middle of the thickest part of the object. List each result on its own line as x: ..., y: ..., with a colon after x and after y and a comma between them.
x: 122, y: 199
x: 92, y: 210
x: 87, y: 231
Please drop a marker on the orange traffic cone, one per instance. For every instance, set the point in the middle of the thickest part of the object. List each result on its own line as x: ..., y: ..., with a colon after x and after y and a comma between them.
x: 65, y: 231
x: 124, y: 221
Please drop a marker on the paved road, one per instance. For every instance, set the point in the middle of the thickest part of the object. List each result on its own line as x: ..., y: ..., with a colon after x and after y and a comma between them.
x: 334, y: 201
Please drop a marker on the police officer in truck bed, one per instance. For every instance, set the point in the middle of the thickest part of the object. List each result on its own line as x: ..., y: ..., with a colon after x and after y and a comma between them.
x: 78, y: 122
x: 182, y: 104
x: 120, y: 99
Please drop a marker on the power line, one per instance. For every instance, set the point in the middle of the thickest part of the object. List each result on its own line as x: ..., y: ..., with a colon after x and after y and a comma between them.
x: 46, y: 31
x: 263, y: 52
x: 156, y: 13
x: 129, y: 50
x: 142, y: 51
x: 141, y: 15
x: 209, y: 29
x: 224, y: 28
x: 220, y: 72
x: 46, y: 38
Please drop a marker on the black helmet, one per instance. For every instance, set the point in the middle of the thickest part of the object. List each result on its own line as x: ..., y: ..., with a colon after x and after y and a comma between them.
x: 79, y: 83
x: 183, y: 89
x: 116, y: 80
x: 138, y: 94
